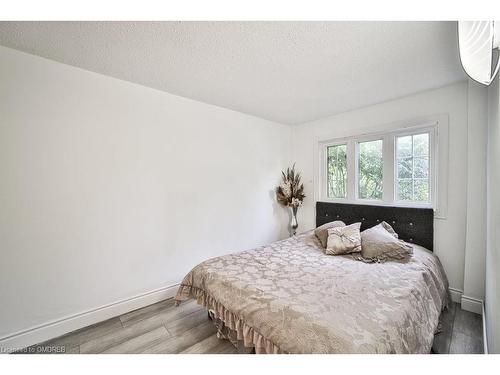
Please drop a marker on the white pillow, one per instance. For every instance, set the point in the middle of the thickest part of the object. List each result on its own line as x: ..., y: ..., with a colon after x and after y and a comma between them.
x: 344, y: 240
x: 322, y: 231
x: 380, y: 243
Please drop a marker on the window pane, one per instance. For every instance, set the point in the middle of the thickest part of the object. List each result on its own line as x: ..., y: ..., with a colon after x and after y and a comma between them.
x: 421, y: 144
x: 370, y: 170
x: 404, y: 146
x: 405, y: 189
x: 337, y: 171
x: 421, y: 167
x: 412, y: 158
x: 405, y: 168
x: 421, y: 190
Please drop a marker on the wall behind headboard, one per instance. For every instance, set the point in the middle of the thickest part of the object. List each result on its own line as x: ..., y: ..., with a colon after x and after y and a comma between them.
x: 452, y: 100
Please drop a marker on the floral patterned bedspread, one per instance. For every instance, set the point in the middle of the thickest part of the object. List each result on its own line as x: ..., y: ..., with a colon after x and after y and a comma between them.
x: 290, y: 297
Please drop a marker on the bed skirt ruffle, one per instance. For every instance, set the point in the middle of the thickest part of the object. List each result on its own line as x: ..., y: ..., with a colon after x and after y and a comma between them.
x: 229, y: 325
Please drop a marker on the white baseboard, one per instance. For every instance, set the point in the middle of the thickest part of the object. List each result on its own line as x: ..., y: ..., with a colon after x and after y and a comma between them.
x: 56, y: 328
x: 456, y: 295
x: 472, y: 304
x: 466, y: 303
x: 485, y: 336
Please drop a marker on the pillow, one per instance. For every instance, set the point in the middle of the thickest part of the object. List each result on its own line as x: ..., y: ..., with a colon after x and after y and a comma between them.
x: 322, y: 231
x: 344, y: 240
x: 389, y: 229
x: 379, y: 244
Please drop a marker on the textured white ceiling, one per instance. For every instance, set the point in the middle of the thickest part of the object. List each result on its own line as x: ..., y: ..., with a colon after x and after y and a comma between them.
x: 290, y: 72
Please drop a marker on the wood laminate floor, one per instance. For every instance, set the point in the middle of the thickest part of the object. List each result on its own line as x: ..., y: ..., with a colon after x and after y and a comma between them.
x: 462, y: 332
x: 164, y: 328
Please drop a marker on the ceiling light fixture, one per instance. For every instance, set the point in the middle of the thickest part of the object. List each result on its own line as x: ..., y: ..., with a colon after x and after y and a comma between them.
x: 479, y: 43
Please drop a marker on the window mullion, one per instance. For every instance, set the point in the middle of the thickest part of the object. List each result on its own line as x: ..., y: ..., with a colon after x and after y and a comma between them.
x: 389, y: 161
x: 412, y: 170
x: 324, y: 178
x: 351, y: 170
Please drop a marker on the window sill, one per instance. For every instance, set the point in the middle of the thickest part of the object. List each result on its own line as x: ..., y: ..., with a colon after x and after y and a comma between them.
x: 372, y: 202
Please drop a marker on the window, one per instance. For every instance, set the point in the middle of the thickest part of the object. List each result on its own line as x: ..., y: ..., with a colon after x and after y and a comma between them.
x: 370, y: 170
x: 412, y: 182
x: 393, y: 168
x: 337, y: 171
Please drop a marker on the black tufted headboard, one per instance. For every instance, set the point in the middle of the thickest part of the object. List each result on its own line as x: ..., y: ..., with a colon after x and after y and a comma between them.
x: 414, y: 225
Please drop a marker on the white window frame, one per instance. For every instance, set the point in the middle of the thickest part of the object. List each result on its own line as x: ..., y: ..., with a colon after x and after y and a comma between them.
x: 432, y: 166
x: 389, y: 138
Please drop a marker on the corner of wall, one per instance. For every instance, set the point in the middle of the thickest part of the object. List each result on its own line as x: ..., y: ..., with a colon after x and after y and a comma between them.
x: 475, y: 244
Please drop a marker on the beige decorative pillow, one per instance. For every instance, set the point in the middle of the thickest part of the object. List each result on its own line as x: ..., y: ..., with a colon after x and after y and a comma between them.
x: 378, y: 244
x: 389, y: 229
x: 344, y: 240
x: 322, y: 231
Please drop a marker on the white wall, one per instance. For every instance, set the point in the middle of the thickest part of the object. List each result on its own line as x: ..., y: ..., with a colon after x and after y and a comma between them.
x: 109, y: 189
x: 450, y: 233
x: 475, y: 244
x: 492, y: 298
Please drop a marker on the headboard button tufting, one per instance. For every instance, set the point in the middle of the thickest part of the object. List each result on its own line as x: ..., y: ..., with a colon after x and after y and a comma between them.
x: 378, y: 221
x: 411, y: 224
x: 363, y: 219
x: 394, y: 221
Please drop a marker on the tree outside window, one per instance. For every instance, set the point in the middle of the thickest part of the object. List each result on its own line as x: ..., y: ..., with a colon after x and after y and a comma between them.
x: 370, y: 170
x: 337, y: 171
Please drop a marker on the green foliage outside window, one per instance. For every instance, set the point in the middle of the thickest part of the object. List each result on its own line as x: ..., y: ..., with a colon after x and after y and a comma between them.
x: 337, y: 171
x: 370, y: 170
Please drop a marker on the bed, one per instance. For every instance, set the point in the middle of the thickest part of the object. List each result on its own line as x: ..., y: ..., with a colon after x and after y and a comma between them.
x: 289, y: 297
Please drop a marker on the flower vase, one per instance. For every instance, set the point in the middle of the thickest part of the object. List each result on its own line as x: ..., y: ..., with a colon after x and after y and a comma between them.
x: 293, y: 221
